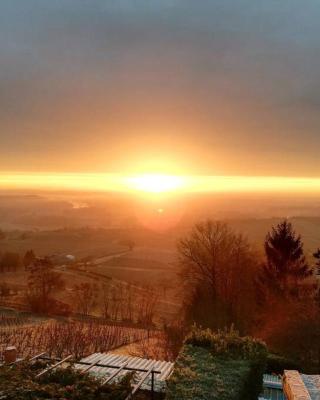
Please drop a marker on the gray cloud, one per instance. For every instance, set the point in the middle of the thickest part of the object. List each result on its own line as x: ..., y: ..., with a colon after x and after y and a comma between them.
x: 223, y: 73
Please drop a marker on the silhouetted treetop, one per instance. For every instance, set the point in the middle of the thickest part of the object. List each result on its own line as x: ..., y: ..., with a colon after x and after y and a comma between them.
x: 217, y: 268
x: 285, y: 264
x: 316, y: 255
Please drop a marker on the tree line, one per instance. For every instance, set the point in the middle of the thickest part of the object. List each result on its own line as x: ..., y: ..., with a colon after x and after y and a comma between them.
x: 12, y: 261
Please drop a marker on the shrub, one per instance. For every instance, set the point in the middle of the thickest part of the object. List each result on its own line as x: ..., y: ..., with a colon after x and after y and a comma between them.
x: 19, y: 383
x: 277, y: 364
x: 218, y: 366
x: 199, y: 375
x: 227, y: 343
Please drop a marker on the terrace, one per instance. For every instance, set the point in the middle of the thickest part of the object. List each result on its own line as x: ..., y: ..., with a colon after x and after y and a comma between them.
x: 199, y: 372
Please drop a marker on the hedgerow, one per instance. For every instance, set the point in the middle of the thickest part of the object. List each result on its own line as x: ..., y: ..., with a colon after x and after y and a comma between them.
x: 277, y: 364
x: 227, y: 343
x: 218, y: 366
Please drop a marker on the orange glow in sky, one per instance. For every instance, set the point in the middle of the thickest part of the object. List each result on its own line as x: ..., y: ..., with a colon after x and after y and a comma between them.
x: 157, y: 183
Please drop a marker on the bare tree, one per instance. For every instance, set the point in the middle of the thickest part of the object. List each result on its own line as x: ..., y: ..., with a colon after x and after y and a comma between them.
x: 126, y: 294
x: 147, y: 302
x: 85, y: 296
x: 43, y: 280
x: 115, y: 302
x: 105, y: 301
x: 217, y: 273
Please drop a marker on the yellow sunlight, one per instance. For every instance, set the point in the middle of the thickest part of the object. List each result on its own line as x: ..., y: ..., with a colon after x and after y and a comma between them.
x: 158, y: 183
x: 155, y: 183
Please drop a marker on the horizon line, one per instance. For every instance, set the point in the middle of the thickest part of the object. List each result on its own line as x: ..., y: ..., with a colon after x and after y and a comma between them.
x: 115, y: 182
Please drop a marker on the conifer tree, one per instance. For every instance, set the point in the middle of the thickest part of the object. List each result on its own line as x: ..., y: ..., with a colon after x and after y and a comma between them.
x: 285, y: 265
x: 28, y: 259
x: 316, y: 255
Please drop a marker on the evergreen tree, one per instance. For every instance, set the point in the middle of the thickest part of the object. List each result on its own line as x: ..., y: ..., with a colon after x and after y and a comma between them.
x: 28, y: 259
x: 316, y: 255
x: 10, y: 262
x: 285, y: 265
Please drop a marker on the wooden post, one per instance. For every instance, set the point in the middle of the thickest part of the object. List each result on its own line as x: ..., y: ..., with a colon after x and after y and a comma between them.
x: 53, y: 366
x: 152, y: 385
x: 87, y: 369
x: 121, y: 368
x: 143, y: 378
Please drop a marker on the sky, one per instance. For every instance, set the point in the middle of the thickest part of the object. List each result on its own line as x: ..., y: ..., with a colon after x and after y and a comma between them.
x: 219, y: 87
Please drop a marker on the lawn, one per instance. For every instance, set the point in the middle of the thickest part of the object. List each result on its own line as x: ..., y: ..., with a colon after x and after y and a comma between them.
x: 218, y: 366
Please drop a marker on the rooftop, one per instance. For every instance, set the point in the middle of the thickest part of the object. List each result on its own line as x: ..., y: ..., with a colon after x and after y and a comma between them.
x: 164, y: 368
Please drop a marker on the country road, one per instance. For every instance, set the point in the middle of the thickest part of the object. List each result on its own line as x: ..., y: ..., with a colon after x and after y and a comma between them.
x: 101, y: 260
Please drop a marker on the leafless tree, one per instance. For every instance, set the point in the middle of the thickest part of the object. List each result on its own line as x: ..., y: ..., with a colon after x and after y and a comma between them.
x: 217, y: 273
x: 43, y: 280
x: 105, y: 301
x: 147, y: 302
x: 85, y: 296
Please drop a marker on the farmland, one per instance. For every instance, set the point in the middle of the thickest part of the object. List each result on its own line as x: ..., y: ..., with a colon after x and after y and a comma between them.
x: 61, y: 337
x: 114, y: 267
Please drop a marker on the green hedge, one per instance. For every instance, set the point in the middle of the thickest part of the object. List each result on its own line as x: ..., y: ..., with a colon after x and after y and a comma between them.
x: 218, y: 366
x: 227, y: 343
x: 277, y: 364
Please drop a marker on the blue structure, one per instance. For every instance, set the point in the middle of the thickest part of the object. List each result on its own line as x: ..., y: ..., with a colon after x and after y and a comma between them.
x: 272, y: 388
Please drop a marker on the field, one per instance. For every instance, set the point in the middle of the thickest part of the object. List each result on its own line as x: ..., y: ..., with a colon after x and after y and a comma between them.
x: 95, y: 229
x: 80, y: 242
x: 142, y: 268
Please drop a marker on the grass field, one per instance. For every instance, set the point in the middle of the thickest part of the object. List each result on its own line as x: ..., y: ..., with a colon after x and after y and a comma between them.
x: 79, y: 242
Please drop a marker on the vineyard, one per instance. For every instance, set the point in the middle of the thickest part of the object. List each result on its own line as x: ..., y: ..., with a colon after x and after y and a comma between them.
x: 59, y: 339
x: 13, y: 320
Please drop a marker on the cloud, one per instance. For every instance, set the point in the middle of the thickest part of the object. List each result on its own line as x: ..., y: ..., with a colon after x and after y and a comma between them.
x: 219, y: 73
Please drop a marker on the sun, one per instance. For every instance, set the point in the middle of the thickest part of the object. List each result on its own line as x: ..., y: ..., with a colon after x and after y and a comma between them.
x: 156, y: 183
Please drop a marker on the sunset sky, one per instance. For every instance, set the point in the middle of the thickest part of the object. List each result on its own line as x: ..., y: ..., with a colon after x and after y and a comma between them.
x: 210, y: 87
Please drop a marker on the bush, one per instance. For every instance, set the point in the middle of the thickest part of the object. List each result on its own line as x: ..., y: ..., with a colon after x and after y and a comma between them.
x: 218, y: 366
x: 199, y: 375
x: 227, y: 343
x: 277, y: 364
x: 19, y: 383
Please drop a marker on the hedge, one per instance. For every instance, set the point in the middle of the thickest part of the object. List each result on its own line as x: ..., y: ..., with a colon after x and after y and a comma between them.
x: 277, y: 364
x: 227, y: 343
x: 218, y: 366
